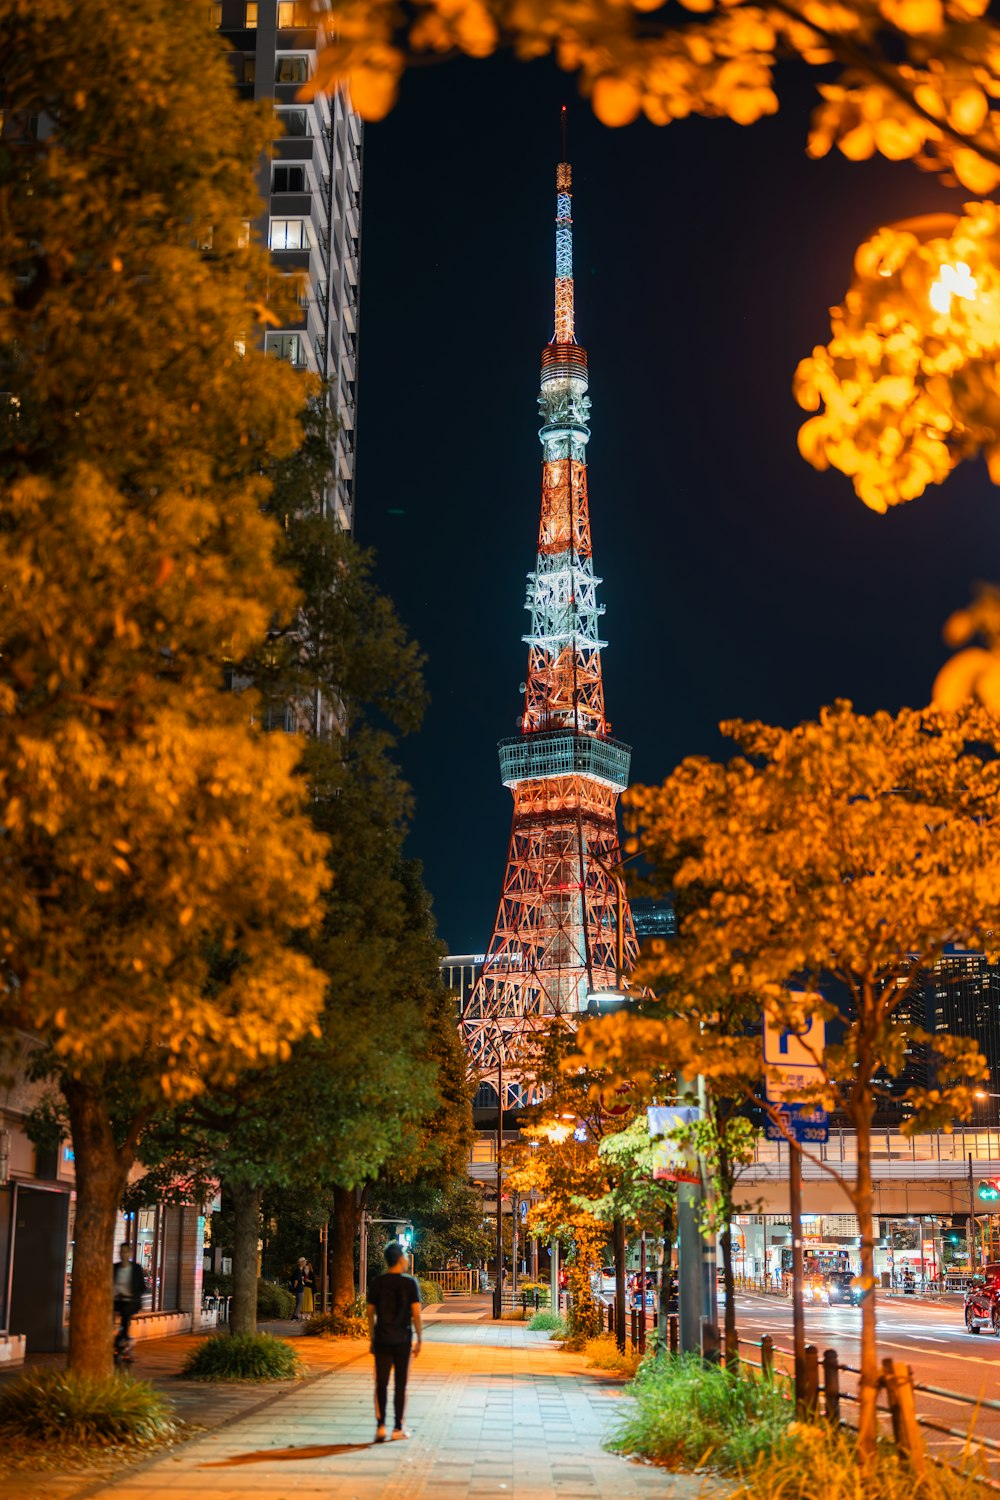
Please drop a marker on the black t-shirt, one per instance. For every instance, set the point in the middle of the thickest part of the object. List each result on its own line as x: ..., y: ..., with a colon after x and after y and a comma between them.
x: 392, y: 1295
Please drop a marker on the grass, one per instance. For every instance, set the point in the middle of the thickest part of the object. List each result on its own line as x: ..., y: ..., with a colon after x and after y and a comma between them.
x: 688, y: 1415
x: 811, y: 1461
x: 547, y: 1322
x: 604, y: 1354
x: 60, y: 1410
x: 336, y: 1325
x: 243, y: 1356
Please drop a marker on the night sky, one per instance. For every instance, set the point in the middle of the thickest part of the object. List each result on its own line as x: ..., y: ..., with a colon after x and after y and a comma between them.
x: 738, y: 581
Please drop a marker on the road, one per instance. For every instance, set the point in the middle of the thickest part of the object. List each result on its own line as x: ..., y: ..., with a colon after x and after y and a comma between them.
x: 930, y: 1336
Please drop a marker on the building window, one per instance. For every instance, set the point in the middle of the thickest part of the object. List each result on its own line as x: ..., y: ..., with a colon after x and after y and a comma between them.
x: 250, y: 17
x: 249, y: 70
x: 293, y: 13
x: 286, y: 346
x: 289, y: 234
x: 289, y: 180
x: 243, y: 234
x: 215, y: 14
x: 292, y: 69
x: 295, y: 121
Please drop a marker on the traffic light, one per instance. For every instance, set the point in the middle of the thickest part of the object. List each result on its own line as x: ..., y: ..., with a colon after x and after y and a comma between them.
x: 988, y: 1190
x: 405, y: 1236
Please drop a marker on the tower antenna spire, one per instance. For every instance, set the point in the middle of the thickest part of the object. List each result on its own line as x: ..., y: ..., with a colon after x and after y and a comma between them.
x: 564, y: 330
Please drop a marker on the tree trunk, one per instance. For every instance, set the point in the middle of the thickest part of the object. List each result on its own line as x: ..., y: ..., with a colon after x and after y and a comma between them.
x: 868, y: 1389
x: 618, y: 1240
x: 343, y: 1228
x: 246, y: 1237
x: 102, y: 1169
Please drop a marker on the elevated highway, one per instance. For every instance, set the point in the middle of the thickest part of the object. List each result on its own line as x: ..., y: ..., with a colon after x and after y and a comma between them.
x: 927, y: 1173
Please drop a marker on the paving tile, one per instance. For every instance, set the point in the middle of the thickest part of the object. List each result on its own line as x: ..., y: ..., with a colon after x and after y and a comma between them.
x: 496, y: 1413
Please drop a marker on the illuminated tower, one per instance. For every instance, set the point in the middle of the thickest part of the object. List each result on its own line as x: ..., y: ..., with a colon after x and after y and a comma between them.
x: 563, y: 930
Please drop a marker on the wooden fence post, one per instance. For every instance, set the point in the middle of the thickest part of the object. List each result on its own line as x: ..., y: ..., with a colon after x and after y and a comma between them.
x: 831, y: 1386
x: 767, y: 1356
x: 672, y: 1334
x: 898, y: 1379
x: 634, y: 1330
x: 807, y: 1400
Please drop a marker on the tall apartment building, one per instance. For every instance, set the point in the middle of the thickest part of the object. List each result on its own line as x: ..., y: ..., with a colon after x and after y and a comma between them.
x: 312, y: 222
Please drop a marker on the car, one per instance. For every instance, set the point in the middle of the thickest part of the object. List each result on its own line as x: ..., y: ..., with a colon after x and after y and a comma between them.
x: 982, y: 1301
x: 841, y: 1290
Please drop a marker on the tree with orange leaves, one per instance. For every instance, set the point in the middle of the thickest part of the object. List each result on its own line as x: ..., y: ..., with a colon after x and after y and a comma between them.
x: 907, y: 381
x: 820, y: 870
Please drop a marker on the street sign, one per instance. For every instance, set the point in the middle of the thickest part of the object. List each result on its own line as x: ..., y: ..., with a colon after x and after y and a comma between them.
x: 793, y: 1058
x: 672, y: 1161
x: 805, y: 1123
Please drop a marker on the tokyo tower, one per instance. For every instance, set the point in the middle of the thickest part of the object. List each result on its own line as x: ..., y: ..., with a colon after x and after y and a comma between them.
x: 563, y: 931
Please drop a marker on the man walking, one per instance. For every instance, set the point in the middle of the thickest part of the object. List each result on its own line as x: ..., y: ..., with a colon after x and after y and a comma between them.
x: 130, y: 1287
x: 393, y: 1313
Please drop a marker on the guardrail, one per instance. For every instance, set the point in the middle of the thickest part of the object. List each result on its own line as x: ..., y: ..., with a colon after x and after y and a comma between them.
x: 822, y: 1396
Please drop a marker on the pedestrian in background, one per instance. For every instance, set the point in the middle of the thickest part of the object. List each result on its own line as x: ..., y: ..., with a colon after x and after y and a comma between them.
x: 130, y: 1286
x: 393, y: 1313
x: 298, y: 1286
x: 308, y: 1291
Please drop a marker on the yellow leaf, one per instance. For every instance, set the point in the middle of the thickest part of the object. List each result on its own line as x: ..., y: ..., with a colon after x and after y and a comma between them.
x: 969, y: 110
x: 859, y: 143
x: 616, y: 100
x: 974, y: 172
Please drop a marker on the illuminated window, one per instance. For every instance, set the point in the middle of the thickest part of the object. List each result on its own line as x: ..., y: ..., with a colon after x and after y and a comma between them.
x: 293, y: 13
x: 295, y: 121
x: 207, y: 238
x: 249, y: 70
x: 289, y: 180
x: 289, y: 234
x: 250, y: 17
x: 292, y: 69
x: 289, y: 346
x: 215, y: 14
x: 243, y: 235
x: 240, y: 345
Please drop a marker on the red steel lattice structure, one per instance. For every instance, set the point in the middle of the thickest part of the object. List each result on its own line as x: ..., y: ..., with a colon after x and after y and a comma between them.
x: 563, y: 933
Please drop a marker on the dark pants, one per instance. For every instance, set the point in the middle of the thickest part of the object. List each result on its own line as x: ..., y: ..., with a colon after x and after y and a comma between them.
x: 126, y: 1310
x: 389, y: 1357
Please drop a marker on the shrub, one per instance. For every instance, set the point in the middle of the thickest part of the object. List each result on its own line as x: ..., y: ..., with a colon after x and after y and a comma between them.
x: 605, y: 1354
x: 685, y: 1414
x: 214, y: 1285
x: 547, y: 1322
x: 430, y: 1291
x: 58, y: 1408
x: 243, y: 1356
x: 273, y: 1301
x: 337, y: 1325
x: 814, y: 1460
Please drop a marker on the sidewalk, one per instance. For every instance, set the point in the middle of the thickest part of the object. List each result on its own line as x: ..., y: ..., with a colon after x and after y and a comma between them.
x: 496, y: 1412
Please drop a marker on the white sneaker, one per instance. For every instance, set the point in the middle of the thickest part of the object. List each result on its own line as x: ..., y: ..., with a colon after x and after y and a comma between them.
x: 398, y: 1433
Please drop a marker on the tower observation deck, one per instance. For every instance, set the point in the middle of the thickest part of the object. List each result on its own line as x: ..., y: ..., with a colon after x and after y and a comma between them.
x: 554, y: 943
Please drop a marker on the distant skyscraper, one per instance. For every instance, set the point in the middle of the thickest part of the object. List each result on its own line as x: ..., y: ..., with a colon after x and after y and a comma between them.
x: 312, y: 222
x: 963, y: 998
x: 653, y: 919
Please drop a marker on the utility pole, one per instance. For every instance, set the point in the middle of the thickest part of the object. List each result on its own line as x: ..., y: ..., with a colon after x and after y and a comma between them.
x: 971, y: 1232
x: 798, y: 1270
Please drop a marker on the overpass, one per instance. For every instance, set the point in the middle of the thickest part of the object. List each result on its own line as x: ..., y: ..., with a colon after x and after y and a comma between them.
x: 928, y: 1173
